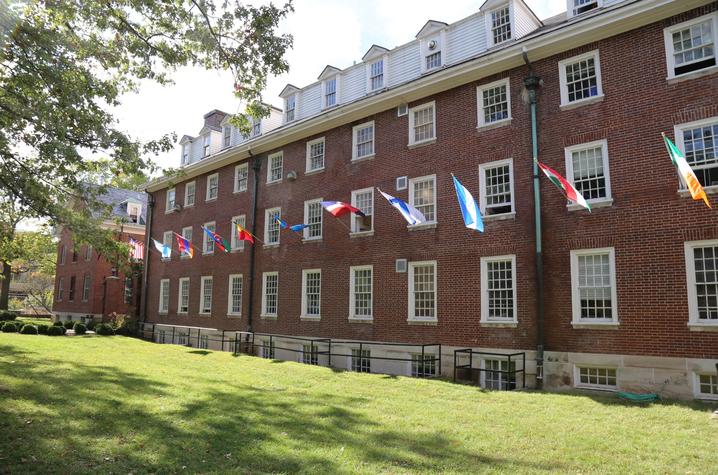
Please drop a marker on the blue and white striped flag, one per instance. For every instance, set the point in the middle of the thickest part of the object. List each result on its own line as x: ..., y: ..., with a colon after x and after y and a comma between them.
x: 411, y: 215
x: 166, y: 251
x: 469, y: 209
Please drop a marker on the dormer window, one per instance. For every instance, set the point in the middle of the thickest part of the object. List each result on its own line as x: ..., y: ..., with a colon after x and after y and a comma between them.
x: 290, y: 104
x: 256, y: 128
x: 226, y: 136
x: 432, y: 41
x: 330, y: 92
x: 205, y: 145
x: 376, y: 60
x: 134, y: 211
x: 185, y: 154
x: 577, y: 7
x: 500, y: 25
x: 433, y: 60
x: 376, y: 75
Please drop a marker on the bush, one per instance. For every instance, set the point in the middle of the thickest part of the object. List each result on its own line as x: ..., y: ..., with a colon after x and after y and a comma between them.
x: 28, y: 330
x: 57, y: 324
x: 80, y: 328
x: 104, y: 329
x: 42, y: 329
x: 56, y: 330
x: 68, y: 324
x: 90, y: 325
x: 9, y: 327
x: 7, y: 316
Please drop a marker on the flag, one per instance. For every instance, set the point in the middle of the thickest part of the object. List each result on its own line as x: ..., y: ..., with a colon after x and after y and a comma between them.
x: 689, y: 178
x: 569, y: 191
x: 469, y: 209
x: 137, y: 249
x: 297, y: 228
x: 337, y: 208
x: 411, y: 215
x: 243, y: 234
x: 282, y: 224
x: 184, y: 246
x: 218, y: 240
x: 166, y: 251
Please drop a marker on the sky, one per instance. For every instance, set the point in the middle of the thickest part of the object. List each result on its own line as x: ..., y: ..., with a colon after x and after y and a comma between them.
x: 336, y: 32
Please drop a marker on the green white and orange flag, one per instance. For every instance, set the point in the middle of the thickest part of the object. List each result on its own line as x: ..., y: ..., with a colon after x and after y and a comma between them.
x: 563, y: 184
x: 684, y: 170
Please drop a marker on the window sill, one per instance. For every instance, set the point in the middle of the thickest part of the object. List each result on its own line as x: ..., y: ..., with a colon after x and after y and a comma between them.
x: 596, y: 388
x: 311, y: 240
x: 595, y: 325
x: 236, y: 251
x: 494, y: 125
x: 499, y: 217
x: 182, y: 314
x: 710, y: 190
x: 239, y: 191
x: 692, y: 75
x: 360, y: 234
x: 361, y: 319
x: 364, y: 158
x: 185, y: 257
x: 275, y: 182
x: 268, y: 317
x: 582, y: 102
x: 207, y: 253
x: 313, y: 172
x: 309, y: 318
x: 420, y: 227
x: 205, y: 314
x: 209, y: 200
x: 412, y: 321
x: 496, y: 324
x: 421, y: 144
x: 234, y: 315
x: 166, y: 259
x: 270, y: 246
x: 604, y: 203
x: 703, y: 327
x: 161, y: 313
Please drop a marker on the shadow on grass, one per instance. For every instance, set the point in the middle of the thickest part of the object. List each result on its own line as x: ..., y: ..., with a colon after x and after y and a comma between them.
x: 199, y: 352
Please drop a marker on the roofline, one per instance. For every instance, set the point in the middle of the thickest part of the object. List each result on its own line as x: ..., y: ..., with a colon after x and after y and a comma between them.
x: 540, y: 44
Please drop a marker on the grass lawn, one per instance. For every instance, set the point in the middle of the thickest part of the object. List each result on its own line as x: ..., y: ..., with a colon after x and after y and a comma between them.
x: 120, y: 405
x: 35, y: 320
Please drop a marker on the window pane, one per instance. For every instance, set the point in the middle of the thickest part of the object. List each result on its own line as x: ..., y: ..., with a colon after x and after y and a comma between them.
x: 433, y: 60
x: 588, y: 173
x: 364, y: 141
x: 207, y: 295
x: 423, y: 368
x: 497, y: 183
x: 362, y: 292
x: 271, y: 282
x: 424, y: 198
x: 496, y: 105
x: 241, y: 178
x: 705, y: 261
x: 236, y: 294
x: 377, y: 75
x: 581, y: 80
x: 361, y: 361
x: 314, y: 220
x: 424, y: 124
x: 312, y: 293
x: 424, y: 291
x: 272, y: 226
x: 594, y: 287
x: 701, y: 148
x: 500, y: 25
x: 316, y: 156
x: 500, y: 290
x: 365, y: 202
x: 498, y: 374
x: 275, y: 168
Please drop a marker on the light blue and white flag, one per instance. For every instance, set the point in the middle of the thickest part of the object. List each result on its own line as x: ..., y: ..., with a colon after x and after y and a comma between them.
x: 165, y: 250
x: 411, y: 215
x: 469, y: 209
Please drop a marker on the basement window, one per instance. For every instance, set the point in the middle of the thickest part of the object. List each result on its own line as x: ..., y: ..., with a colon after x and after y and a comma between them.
x: 596, y: 378
x: 706, y: 386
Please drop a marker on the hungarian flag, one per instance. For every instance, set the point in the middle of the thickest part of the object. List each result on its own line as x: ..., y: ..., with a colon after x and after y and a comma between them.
x: 689, y: 178
x: 243, y: 234
x: 218, y: 240
x: 337, y: 208
x: 569, y: 191
x: 184, y: 245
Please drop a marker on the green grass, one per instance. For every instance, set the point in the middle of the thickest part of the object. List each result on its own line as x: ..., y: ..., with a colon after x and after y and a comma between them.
x: 120, y: 405
x: 35, y: 320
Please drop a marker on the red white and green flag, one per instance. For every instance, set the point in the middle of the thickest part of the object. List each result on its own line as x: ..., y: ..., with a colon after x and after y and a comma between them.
x: 689, y: 178
x: 563, y: 184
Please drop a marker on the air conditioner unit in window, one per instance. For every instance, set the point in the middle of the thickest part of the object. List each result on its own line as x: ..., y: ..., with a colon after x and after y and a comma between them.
x: 177, y: 208
x: 402, y: 110
x: 401, y: 183
x: 401, y: 265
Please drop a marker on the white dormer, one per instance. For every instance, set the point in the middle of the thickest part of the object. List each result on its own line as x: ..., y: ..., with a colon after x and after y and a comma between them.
x: 377, y: 68
x: 579, y: 7
x: 331, y: 86
x: 290, y: 94
x: 227, y: 133
x: 134, y: 211
x: 186, y: 146
x: 432, y: 45
x: 500, y: 22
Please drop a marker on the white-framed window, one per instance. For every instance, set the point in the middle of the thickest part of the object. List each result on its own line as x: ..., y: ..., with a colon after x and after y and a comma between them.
x: 361, y: 360
x: 361, y: 292
x: 185, y: 153
x: 423, y: 367
x: 706, y: 385
x: 363, y: 140
x: 256, y: 128
x: 88, y: 252
x: 206, y: 145
x: 500, y: 19
x: 167, y: 241
x: 63, y: 254
x: 702, y: 279
x: 691, y: 45
x: 313, y: 218
x: 71, y: 290
x: 494, y: 103
x: 270, y: 294
x: 212, y: 187
x: 134, y: 211
x: 164, y: 303
x: 190, y: 191
x: 241, y: 177
x: 234, y: 295
x: 593, y: 286
x: 331, y: 90
x: 60, y: 288
x: 205, y: 295
x: 577, y: 7
x: 496, y: 188
x: 226, y: 136
x: 422, y: 291
x: 699, y: 142
x: 498, y: 374
x: 421, y: 123
x: 271, y: 226
x: 587, y: 170
x: 498, y: 289
x: 236, y: 243
x: 310, y: 354
x: 267, y: 346
x: 86, y: 288
x: 207, y: 241
x: 170, y: 200
x: 275, y: 170
x: 127, y: 291
x: 433, y: 60
x: 595, y: 377
x: 422, y: 196
x: 364, y: 200
x: 290, y: 107
x: 183, y: 296
x: 311, y: 292
x: 432, y: 52
x: 376, y: 75
x: 315, y: 155
x: 187, y: 233
x: 580, y: 78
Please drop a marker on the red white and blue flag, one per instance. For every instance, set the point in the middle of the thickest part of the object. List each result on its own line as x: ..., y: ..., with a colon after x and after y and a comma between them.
x: 185, y: 247
x: 137, y: 249
x: 338, y: 208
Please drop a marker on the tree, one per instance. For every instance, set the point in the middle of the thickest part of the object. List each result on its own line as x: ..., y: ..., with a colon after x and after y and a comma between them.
x: 65, y: 64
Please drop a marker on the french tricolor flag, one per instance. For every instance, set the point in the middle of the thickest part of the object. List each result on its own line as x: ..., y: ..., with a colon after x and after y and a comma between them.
x: 338, y: 208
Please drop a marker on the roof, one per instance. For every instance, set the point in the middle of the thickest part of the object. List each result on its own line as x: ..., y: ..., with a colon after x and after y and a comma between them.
x: 116, y: 199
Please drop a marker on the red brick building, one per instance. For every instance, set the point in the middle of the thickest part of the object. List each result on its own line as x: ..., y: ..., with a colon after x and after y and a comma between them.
x: 88, y: 286
x: 630, y: 296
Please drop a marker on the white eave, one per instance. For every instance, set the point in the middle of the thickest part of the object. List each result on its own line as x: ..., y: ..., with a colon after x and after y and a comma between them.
x: 329, y: 72
x: 288, y: 90
x: 374, y: 52
x: 431, y: 26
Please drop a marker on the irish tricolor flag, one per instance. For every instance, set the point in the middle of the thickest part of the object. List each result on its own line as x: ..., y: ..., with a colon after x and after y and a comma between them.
x: 569, y: 191
x: 689, y: 178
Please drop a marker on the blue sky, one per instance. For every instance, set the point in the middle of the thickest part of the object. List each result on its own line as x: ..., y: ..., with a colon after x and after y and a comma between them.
x: 336, y: 32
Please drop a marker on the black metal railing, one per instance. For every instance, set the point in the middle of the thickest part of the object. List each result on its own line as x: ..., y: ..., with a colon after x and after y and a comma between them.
x: 490, y: 378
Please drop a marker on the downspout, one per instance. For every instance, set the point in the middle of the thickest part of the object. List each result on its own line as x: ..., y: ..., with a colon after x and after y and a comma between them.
x: 532, y: 84
x: 146, y: 266
x: 256, y: 166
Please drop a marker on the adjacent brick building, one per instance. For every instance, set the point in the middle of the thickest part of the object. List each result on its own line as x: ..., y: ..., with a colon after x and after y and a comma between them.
x: 630, y: 293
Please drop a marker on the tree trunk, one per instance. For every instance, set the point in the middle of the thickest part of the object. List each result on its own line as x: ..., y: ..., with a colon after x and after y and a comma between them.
x: 5, y: 285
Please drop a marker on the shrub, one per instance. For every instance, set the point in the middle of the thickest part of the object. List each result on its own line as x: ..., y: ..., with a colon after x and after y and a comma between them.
x: 68, y: 324
x: 9, y: 327
x: 7, y: 316
x: 56, y: 330
x: 28, y: 330
x: 104, y: 329
x: 57, y: 323
x: 90, y: 325
x: 42, y: 329
x: 80, y: 328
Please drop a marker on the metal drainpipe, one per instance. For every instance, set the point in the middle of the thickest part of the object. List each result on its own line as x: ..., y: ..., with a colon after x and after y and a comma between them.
x: 532, y: 83
x: 256, y: 166
x: 146, y: 267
